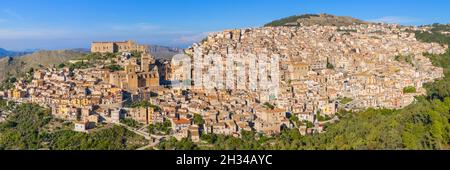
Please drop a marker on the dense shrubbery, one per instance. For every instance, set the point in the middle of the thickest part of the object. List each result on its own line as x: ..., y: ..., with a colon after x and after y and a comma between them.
x: 130, y: 122
x: 99, y: 56
x: 8, y: 83
x: 269, y: 106
x: 24, y: 130
x: 291, y: 19
x: 435, y: 35
x: 80, y: 65
x: 409, y: 89
x: 115, y: 68
x: 144, y: 103
x: 115, y: 138
x: 136, y: 54
x: 172, y: 143
x: 440, y: 88
x: 21, y: 130
x: 198, y: 119
x: 346, y: 100
x: 160, y: 128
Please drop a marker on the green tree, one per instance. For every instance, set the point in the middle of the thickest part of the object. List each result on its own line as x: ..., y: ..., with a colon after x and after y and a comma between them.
x: 62, y: 65
x: 131, y: 122
x: 115, y: 68
x: 198, y: 119
x: 409, y: 89
x: 269, y: 106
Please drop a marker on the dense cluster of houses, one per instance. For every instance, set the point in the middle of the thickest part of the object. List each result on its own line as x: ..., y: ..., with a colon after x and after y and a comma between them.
x: 322, y: 65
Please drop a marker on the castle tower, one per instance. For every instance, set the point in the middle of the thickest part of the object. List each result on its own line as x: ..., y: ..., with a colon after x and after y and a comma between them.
x: 130, y: 68
x: 145, y: 62
x: 131, y: 77
x: 132, y: 81
x: 154, y: 77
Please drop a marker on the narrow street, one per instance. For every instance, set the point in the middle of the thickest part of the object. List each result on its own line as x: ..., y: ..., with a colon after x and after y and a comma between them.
x: 154, y: 139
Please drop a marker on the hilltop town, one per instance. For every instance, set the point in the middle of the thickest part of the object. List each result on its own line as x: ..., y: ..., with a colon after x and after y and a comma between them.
x: 324, y: 69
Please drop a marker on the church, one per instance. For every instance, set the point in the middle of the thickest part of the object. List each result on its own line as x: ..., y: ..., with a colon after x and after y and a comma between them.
x: 137, y: 73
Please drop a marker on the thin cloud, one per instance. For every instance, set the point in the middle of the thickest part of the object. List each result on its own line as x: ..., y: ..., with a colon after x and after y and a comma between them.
x: 135, y: 27
x: 140, y: 31
x: 395, y: 19
x: 144, y: 29
x: 13, y: 14
x: 192, y: 38
x: 32, y: 33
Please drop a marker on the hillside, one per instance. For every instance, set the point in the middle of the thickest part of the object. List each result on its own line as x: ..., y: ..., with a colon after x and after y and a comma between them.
x: 438, y: 33
x: 7, y: 53
x: 423, y: 125
x: 314, y: 19
x: 21, y: 64
x: 32, y: 121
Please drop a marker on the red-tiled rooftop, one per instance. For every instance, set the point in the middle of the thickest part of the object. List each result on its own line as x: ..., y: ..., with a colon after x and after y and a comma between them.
x: 181, y: 121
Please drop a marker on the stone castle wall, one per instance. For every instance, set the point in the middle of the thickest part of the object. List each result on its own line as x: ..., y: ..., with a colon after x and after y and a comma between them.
x: 113, y: 47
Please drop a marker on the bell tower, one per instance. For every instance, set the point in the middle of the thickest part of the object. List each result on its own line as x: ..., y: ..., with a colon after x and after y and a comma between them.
x: 146, y: 61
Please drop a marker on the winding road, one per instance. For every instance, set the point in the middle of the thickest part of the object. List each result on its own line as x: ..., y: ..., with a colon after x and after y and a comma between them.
x: 155, y: 139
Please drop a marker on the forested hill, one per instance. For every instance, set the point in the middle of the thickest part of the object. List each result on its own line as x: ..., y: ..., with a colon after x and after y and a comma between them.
x: 438, y: 33
x: 315, y: 19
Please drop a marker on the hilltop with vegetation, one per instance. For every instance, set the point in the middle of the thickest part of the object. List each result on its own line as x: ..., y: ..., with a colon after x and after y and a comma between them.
x: 438, y: 33
x: 315, y: 19
x: 17, y: 66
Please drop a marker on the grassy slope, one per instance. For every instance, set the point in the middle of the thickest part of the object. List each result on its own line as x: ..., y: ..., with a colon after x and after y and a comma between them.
x: 21, y: 64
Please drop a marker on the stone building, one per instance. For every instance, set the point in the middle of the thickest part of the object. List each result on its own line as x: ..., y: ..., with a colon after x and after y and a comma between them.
x: 149, y: 75
x: 298, y: 70
x: 142, y: 115
x: 132, y: 78
x: 114, y: 47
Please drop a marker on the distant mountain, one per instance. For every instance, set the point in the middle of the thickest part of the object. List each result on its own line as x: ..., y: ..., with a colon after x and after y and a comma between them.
x: 32, y: 50
x: 6, y: 53
x: 315, y: 19
x: 21, y: 64
x: 163, y: 52
x: 81, y: 50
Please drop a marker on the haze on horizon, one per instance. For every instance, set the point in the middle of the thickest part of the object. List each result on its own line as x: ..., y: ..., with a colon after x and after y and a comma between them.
x: 62, y: 24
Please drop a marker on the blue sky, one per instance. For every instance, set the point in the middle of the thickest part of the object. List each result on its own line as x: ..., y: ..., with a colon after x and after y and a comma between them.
x: 60, y: 24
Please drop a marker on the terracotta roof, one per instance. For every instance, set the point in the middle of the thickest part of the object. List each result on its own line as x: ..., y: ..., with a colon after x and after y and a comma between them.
x: 181, y: 121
